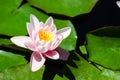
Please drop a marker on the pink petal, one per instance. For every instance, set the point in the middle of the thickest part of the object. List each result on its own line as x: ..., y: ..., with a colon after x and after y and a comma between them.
x: 34, y: 21
x: 56, y: 42
x: 40, y: 27
x: 20, y: 40
x: 49, y: 21
x: 52, y: 55
x: 30, y: 28
x: 42, y: 24
x: 30, y: 46
x: 118, y: 3
x: 49, y: 25
x: 34, y: 35
x: 36, y: 61
x: 63, y: 54
x: 53, y: 28
x: 64, y: 32
x: 31, y: 31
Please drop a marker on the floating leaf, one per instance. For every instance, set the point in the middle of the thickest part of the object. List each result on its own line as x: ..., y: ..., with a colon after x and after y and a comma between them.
x: 103, y: 46
x: 21, y: 72
x: 8, y: 59
x: 83, y: 49
x: 5, y: 41
x: 67, y: 7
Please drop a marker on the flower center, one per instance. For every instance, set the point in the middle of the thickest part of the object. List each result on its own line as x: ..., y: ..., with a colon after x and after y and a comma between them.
x: 45, y: 35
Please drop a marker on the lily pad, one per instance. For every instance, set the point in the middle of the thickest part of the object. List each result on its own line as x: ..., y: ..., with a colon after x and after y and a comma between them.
x: 21, y: 72
x: 67, y: 7
x: 83, y: 49
x: 8, y: 59
x: 103, y: 46
x: 4, y: 41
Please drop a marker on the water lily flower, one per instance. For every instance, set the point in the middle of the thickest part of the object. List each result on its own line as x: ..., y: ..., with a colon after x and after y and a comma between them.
x: 43, y: 40
x: 118, y: 3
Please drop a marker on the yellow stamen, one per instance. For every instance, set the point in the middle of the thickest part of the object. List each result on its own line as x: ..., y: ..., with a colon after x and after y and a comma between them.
x: 45, y: 35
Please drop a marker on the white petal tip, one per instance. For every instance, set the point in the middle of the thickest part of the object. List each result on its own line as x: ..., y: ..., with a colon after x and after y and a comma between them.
x: 69, y: 28
x: 118, y: 3
x: 56, y: 57
x: 20, y: 40
x: 31, y: 15
x: 49, y: 21
x: 50, y: 18
x: 34, y: 70
x: 65, y: 32
x: 17, y: 41
x: 68, y: 31
x: 11, y: 39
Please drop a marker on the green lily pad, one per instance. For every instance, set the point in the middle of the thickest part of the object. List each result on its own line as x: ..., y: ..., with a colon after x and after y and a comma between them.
x: 111, y: 74
x: 21, y: 72
x: 67, y: 7
x: 14, y: 19
x: 103, y: 46
x: 8, y: 59
x: 5, y: 41
x: 83, y: 49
